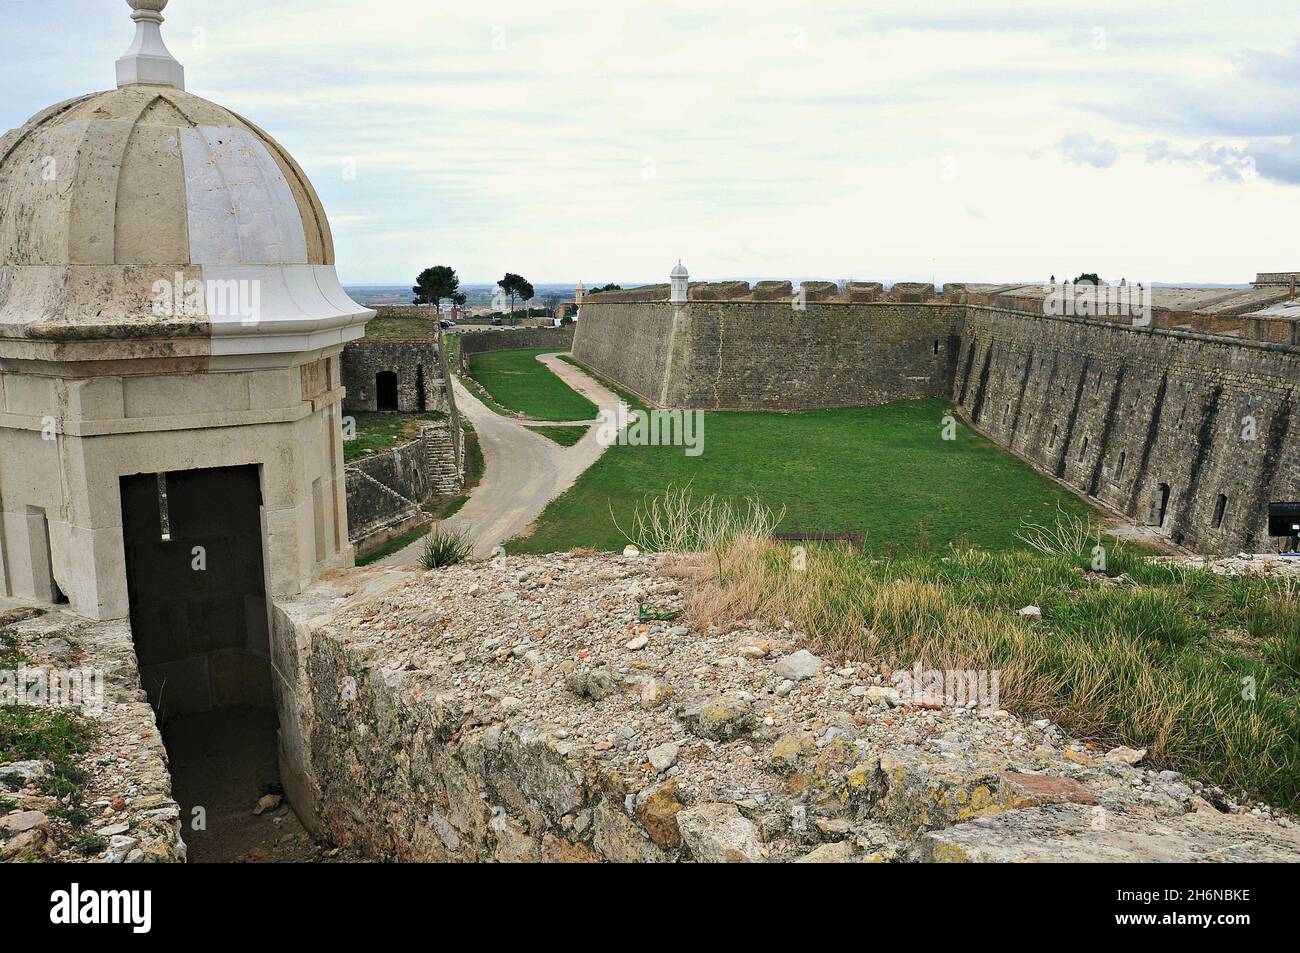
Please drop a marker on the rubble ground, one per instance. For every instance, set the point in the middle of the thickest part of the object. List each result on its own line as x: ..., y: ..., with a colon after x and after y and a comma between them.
x: 737, y: 742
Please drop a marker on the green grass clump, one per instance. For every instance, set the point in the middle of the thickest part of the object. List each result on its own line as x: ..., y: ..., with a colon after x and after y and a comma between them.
x: 382, y: 431
x: 519, y: 383
x: 402, y: 328
x: 444, y: 547
x: 47, y: 734
x: 883, y: 471
x: 564, y: 436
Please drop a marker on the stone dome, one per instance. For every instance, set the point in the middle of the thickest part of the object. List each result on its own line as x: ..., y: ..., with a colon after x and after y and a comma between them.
x: 106, y: 198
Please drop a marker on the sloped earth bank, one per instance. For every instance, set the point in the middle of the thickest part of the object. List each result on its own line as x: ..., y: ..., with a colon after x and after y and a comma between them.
x: 517, y: 710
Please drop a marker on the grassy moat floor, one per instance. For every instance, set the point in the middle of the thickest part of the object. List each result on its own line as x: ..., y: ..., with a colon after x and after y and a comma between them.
x: 518, y: 383
x: 885, y: 472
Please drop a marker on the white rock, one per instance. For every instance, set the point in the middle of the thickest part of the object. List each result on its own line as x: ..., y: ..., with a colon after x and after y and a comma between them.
x: 1031, y: 612
x: 719, y: 834
x: 1125, y: 755
x: 802, y: 664
x: 663, y: 757
x: 631, y: 551
x: 638, y: 643
x: 840, y: 852
x: 268, y: 802
x: 877, y: 694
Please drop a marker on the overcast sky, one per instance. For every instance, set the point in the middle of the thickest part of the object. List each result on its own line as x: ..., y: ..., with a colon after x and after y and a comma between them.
x: 602, y: 140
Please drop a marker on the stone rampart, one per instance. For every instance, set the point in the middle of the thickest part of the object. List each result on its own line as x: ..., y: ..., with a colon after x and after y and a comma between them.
x: 1186, y: 424
x: 770, y: 355
x: 1190, y: 433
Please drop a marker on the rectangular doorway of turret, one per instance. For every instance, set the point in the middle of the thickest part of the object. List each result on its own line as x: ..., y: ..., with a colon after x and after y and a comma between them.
x: 200, y: 623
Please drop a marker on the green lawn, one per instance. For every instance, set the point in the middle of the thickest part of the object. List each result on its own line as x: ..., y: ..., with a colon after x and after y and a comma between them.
x: 384, y: 431
x: 883, y: 471
x: 564, y: 436
x: 404, y: 328
x: 521, y: 384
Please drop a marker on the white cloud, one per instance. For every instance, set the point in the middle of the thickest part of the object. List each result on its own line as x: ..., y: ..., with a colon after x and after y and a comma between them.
x: 785, y: 138
x: 1083, y: 149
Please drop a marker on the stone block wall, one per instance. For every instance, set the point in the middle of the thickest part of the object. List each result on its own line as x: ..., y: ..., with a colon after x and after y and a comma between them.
x: 421, y: 383
x: 389, y: 493
x: 768, y: 355
x: 628, y: 342
x: 1134, y: 417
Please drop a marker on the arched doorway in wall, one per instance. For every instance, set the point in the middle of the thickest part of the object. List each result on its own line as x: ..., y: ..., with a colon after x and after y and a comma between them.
x: 386, y: 391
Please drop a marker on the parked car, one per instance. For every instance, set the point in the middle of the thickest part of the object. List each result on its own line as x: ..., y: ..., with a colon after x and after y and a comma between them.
x: 496, y: 322
x: 445, y: 324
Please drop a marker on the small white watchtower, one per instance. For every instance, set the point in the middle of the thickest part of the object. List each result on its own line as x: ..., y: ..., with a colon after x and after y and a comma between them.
x: 170, y: 331
x: 679, y: 282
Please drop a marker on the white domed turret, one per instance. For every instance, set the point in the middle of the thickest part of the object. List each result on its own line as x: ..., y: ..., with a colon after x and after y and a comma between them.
x: 108, y: 194
x: 679, y: 284
x: 168, y: 306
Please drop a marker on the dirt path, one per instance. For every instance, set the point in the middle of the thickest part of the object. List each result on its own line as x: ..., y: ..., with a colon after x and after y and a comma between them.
x: 524, y: 470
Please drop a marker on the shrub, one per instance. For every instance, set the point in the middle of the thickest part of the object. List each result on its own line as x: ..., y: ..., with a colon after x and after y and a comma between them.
x: 443, y: 547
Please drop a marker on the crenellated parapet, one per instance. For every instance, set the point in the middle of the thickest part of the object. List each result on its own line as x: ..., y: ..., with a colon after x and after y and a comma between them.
x: 1268, y: 312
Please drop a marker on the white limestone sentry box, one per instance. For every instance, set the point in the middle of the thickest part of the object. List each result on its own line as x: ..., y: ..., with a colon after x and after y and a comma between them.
x: 170, y: 330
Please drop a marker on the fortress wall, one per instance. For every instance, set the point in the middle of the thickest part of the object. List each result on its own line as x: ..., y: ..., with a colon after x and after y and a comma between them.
x: 767, y: 355
x: 1117, y: 412
x: 628, y: 342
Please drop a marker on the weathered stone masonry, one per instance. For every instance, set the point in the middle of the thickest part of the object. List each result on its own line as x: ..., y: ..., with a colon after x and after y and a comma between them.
x: 387, y: 492
x: 1122, y: 413
x: 767, y: 355
x: 418, y: 365
x: 1191, y: 432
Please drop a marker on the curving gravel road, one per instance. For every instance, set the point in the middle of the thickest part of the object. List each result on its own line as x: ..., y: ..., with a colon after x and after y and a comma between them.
x: 523, y: 470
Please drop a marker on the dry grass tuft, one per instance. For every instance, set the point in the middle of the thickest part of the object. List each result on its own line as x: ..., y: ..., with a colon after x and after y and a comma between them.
x: 676, y: 522
x: 1133, y: 663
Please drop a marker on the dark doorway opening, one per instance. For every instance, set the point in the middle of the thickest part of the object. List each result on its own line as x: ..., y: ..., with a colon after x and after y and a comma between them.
x: 420, y: 400
x: 1159, y: 504
x: 385, y: 391
x: 200, y: 623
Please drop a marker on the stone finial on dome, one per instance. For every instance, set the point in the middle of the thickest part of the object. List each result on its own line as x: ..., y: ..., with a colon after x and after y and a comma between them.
x: 148, y: 60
